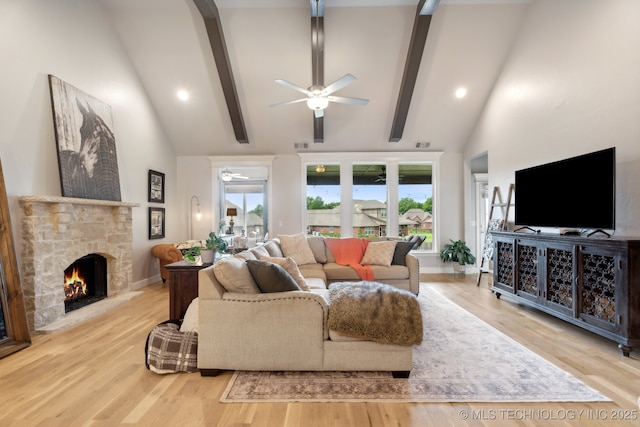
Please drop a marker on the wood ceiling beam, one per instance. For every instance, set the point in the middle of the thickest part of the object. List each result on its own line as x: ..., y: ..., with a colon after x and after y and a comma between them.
x: 213, y: 24
x: 418, y: 41
x: 317, y: 59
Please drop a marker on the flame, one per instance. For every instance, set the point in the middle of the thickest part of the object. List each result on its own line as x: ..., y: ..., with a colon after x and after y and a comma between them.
x: 74, y: 285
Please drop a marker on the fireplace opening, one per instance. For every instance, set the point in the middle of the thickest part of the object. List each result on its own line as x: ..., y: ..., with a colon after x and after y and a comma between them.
x: 85, y: 282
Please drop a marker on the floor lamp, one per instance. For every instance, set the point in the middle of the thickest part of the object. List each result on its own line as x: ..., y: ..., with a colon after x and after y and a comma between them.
x: 198, y: 213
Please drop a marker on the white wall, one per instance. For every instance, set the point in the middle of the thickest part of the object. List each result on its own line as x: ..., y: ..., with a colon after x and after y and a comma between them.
x: 74, y: 41
x: 569, y: 87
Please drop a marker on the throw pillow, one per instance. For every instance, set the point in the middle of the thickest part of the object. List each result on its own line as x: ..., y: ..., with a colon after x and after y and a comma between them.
x: 297, y: 247
x: 318, y: 248
x: 260, y: 251
x: 400, y: 253
x: 271, y: 277
x: 245, y: 255
x: 190, y: 321
x: 234, y: 276
x: 418, y: 241
x: 292, y: 268
x: 379, y: 253
x: 273, y: 248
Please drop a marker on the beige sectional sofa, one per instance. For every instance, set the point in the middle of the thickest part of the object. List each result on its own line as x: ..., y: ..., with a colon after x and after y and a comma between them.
x: 240, y: 330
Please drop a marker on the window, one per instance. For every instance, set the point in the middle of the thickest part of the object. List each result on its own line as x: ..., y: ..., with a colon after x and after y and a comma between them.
x: 323, y: 200
x: 415, y: 204
x: 349, y: 196
x: 369, y: 200
x: 249, y: 201
x: 241, y: 187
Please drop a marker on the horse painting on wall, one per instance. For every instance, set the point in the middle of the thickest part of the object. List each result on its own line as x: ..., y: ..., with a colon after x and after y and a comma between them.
x: 86, y: 146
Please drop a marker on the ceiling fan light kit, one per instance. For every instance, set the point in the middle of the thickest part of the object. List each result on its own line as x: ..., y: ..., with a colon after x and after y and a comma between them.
x: 317, y: 102
x: 226, y: 175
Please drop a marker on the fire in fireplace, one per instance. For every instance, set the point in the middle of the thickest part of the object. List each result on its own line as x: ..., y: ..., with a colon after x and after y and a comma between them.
x: 85, y: 282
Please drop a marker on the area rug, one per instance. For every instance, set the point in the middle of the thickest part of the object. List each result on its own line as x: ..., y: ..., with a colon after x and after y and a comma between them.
x: 461, y: 359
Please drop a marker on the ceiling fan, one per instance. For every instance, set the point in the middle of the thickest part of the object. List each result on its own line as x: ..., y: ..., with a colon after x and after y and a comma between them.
x: 227, y: 175
x: 383, y: 176
x: 318, y: 97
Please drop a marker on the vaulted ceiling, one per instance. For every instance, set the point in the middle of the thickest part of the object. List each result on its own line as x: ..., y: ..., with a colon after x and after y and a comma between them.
x: 168, y: 44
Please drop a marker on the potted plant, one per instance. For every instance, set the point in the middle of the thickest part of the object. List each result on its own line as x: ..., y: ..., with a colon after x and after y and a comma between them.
x: 459, y: 253
x: 192, y: 255
x: 214, y: 244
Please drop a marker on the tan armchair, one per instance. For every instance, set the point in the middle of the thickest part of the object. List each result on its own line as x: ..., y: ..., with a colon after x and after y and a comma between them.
x: 166, y: 254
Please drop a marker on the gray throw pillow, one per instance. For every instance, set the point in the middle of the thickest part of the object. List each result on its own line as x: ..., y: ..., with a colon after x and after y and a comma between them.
x: 271, y: 277
x: 402, y: 249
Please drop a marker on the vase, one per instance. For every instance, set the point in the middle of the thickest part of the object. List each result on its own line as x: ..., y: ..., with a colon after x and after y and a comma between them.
x: 459, y: 269
x: 196, y: 261
x: 208, y: 256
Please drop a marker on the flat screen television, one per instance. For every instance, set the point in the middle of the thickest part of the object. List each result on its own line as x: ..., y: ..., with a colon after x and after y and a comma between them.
x: 576, y: 193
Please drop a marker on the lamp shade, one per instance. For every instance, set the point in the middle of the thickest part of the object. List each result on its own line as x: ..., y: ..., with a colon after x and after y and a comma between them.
x: 232, y: 212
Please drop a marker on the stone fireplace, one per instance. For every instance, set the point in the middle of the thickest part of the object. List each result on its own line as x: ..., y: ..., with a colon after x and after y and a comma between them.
x: 57, y: 231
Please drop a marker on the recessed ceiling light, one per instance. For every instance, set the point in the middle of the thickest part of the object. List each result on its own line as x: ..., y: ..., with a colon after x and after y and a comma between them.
x: 183, y: 95
x: 461, y: 92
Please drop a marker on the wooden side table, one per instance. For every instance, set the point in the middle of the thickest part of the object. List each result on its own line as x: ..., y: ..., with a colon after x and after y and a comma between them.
x: 183, y: 286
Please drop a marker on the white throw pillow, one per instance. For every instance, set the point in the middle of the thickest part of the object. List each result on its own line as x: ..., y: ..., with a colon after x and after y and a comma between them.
x: 234, y: 275
x: 292, y: 268
x: 297, y: 247
x: 379, y: 253
x: 190, y: 322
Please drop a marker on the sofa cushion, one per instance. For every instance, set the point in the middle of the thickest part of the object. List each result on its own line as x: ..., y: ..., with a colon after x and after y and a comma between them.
x: 233, y: 274
x: 297, y: 247
x: 393, y: 272
x: 316, y: 284
x: 318, y: 248
x: 271, y: 277
x: 400, y: 253
x: 292, y: 268
x: 245, y: 255
x: 335, y: 272
x: 273, y: 248
x: 379, y: 253
x: 339, y: 273
x: 313, y: 271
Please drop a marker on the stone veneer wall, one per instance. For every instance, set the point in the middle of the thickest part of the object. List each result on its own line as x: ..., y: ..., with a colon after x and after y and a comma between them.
x: 56, y: 231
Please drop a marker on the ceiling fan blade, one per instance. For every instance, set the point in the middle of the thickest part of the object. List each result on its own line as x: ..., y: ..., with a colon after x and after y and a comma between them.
x: 294, y: 87
x: 318, y: 113
x: 339, y: 84
x: 343, y: 100
x: 295, y: 101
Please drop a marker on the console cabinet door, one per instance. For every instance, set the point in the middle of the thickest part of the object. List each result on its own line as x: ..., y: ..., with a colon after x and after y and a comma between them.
x: 528, y: 285
x: 559, y: 276
x: 601, y: 285
x: 504, y: 261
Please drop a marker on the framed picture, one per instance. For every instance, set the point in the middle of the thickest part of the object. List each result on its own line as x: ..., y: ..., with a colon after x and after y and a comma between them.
x: 156, y: 186
x: 156, y: 223
x: 86, y: 145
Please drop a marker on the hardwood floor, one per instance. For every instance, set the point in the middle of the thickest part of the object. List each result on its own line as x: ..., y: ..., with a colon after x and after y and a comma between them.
x: 94, y: 374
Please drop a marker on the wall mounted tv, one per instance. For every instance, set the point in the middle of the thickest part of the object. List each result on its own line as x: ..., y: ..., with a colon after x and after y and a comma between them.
x: 576, y: 193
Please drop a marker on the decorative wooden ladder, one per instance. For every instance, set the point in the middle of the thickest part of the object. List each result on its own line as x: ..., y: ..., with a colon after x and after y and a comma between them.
x: 493, y: 225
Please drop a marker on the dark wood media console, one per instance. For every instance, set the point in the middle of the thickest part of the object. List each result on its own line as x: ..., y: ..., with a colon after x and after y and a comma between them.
x: 592, y: 282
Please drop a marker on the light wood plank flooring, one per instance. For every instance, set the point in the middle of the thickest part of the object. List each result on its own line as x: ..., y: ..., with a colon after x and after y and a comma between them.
x: 93, y: 374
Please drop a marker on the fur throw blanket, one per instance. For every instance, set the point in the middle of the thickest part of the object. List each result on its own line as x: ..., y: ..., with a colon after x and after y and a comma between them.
x: 376, y: 312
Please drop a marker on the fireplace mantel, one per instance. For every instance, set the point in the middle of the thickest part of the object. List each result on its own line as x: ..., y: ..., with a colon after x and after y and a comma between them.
x: 56, y: 231
x: 75, y: 201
